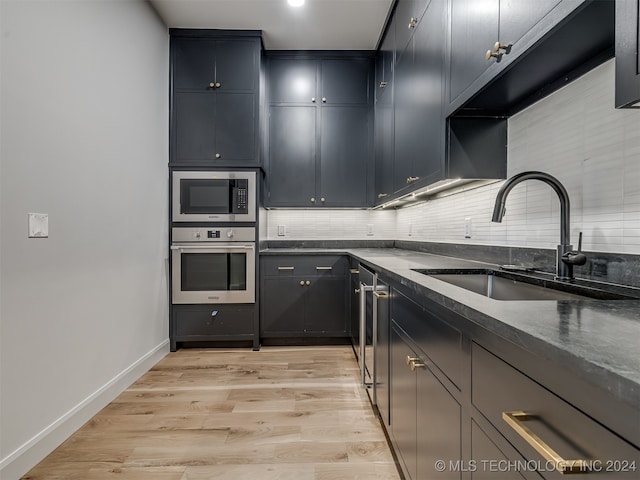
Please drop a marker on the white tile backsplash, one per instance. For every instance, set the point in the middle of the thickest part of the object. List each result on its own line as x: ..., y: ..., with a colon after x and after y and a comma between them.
x: 574, y: 134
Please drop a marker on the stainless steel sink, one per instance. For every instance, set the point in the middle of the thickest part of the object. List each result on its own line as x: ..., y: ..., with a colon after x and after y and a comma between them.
x: 502, y: 285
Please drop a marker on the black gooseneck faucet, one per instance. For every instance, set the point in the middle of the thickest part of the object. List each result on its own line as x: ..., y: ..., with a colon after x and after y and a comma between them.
x: 566, y: 257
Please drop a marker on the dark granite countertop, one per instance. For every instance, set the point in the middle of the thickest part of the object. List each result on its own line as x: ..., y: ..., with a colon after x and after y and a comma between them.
x: 598, y: 340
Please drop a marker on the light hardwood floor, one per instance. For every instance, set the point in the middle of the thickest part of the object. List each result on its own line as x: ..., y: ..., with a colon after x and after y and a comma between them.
x: 286, y: 413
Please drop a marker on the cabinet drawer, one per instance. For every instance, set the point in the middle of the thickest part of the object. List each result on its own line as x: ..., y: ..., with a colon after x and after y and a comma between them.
x: 308, y: 265
x: 441, y: 342
x: 498, y: 388
x: 190, y: 322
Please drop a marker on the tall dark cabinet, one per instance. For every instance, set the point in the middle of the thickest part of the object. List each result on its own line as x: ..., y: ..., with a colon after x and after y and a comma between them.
x: 320, y: 130
x: 215, y: 85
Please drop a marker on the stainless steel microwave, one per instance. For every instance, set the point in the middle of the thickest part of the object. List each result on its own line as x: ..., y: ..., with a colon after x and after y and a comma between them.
x: 211, y: 196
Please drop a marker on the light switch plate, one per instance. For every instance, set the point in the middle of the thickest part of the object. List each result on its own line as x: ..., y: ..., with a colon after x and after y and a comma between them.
x: 369, y: 228
x: 467, y: 227
x: 282, y: 230
x: 38, y: 225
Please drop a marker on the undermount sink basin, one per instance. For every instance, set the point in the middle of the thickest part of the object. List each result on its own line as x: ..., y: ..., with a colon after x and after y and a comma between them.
x: 502, y: 285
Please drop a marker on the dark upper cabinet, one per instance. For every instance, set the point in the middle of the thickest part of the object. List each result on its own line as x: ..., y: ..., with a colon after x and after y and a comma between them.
x: 474, y: 31
x: 418, y: 99
x: 343, y: 166
x: 383, y: 129
x: 292, y: 146
x: 214, y: 99
x: 627, y: 53
x: 320, y: 131
x: 408, y: 14
x: 293, y: 80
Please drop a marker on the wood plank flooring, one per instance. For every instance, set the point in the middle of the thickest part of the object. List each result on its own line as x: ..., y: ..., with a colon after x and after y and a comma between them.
x: 285, y: 413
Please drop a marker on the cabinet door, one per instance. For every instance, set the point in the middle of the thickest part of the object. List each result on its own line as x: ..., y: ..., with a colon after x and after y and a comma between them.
x: 193, y: 63
x: 345, y: 81
x: 627, y: 53
x: 282, y: 304
x: 194, y: 126
x: 418, y: 119
x: 235, y: 127
x: 237, y: 65
x: 474, y: 30
x: 383, y: 139
x: 326, y: 306
x: 345, y: 156
x: 293, y: 81
x: 403, y: 403
x: 292, y: 156
x: 483, y: 450
x: 517, y: 17
x: 439, y: 420
x: 408, y: 14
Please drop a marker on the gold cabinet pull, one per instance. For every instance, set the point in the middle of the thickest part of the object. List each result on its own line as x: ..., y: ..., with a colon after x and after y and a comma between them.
x: 354, y: 271
x: 382, y: 295
x: 218, y: 155
x: 357, y: 290
x: 313, y: 199
x: 218, y: 84
x: 411, y: 359
x: 515, y: 420
x: 383, y: 84
x: 302, y: 283
x: 308, y: 283
x: 412, y: 179
x: 382, y: 195
x: 212, y: 85
x: 412, y: 23
x: 313, y: 99
x: 286, y: 268
x: 324, y: 268
x: 491, y: 53
x: 324, y: 99
x: 417, y: 364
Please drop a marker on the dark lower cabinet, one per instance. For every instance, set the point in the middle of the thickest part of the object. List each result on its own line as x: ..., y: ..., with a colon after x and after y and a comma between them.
x: 304, y: 297
x: 425, y: 417
x: 212, y: 323
x: 382, y: 298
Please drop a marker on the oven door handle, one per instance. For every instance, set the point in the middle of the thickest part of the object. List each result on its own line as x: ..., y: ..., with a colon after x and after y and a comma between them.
x: 219, y: 247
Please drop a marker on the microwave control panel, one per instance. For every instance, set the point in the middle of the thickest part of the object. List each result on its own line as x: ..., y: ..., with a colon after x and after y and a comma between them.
x: 241, y: 196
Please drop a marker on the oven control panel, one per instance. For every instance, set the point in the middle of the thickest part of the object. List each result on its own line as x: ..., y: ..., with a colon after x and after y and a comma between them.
x: 213, y: 234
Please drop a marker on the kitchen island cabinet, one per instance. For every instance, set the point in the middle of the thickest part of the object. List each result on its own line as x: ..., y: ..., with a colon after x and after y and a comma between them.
x: 303, y: 297
x: 215, y: 82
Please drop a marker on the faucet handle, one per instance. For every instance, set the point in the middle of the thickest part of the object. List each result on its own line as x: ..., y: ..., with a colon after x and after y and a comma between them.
x: 575, y: 257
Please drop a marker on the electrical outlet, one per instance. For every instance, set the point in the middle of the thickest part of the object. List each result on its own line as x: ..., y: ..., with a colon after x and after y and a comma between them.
x: 369, y: 228
x: 282, y: 230
x: 467, y: 227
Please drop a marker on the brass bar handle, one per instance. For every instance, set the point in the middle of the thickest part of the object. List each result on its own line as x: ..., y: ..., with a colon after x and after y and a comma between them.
x: 515, y: 420
x: 382, y: 295
x: 286, y: 268
x: 324, y: 268
x: 354, y: 271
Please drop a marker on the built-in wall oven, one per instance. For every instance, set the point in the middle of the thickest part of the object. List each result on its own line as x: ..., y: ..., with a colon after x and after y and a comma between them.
x: 213, y: 265
x: 213, y: 196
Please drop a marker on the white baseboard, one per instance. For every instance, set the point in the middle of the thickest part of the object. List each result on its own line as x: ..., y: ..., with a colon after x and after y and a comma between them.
x: 23, y: 459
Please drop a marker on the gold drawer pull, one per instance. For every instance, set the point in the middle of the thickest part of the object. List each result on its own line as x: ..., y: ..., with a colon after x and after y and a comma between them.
x: 515, y: 420
x: 286, y: 268
x: 381, y: 294
x: 354, y: 271
x: 324, y: 268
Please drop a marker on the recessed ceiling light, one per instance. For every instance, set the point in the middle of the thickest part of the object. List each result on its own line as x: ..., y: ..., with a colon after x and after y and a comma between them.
x: 296, y: 3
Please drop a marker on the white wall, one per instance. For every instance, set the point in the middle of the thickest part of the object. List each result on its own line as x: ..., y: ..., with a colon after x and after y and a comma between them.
x: 574, y: 134
x: 84, y: 135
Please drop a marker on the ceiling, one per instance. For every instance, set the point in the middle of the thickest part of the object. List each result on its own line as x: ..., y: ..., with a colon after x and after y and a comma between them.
x: 317, y: 25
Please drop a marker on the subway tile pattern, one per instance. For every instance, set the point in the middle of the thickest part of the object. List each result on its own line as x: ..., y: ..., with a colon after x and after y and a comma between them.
x: 574, y: 134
